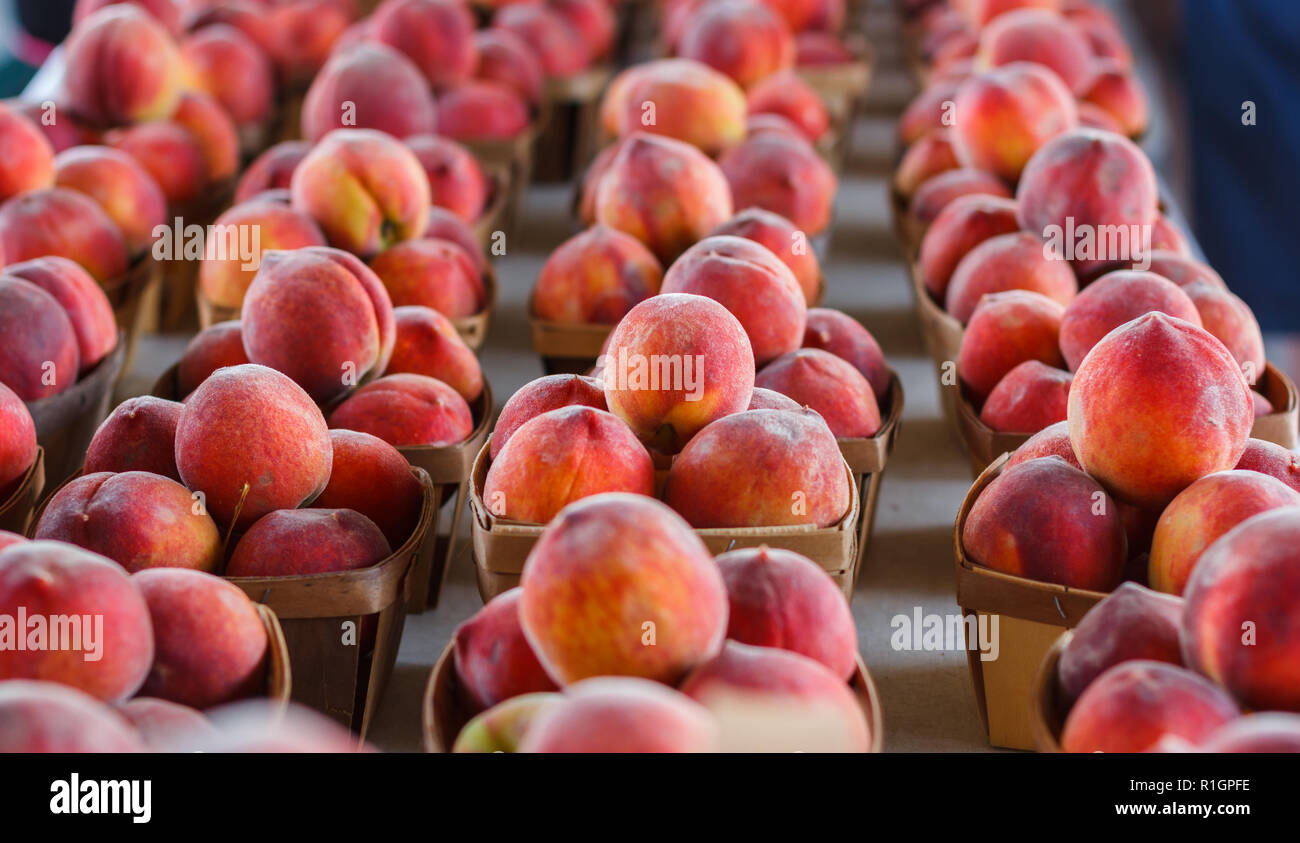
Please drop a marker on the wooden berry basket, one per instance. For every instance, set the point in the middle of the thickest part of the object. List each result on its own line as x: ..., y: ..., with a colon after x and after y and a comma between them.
x: 133, y: 295
x: 567, y: 348
x: 866, y: 458
x: 177, y: 306
x: 907, y: 228
x: 941, y: 333
x: 501, y: 545
x: 1049, y: 706
x: 564, y: 144
x: 446, y: 709
x: 1031, y: 615
x: 18, y: 510
x: 515, y: 154
x: 493, y: 218
x: 66, y: 422
x: 279, y: 675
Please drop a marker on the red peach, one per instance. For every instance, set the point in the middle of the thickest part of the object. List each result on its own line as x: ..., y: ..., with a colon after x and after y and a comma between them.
x: 681, y: 99
x: 1051, y: 441
x: 28, y: 163
x: 39, y: 356
x: 437, y: 35
x: 271, y: 170
x: 621, y: 714
x: 743, y: 39
x: 456, y: 181
x: 17, y: 441
x: 558, y: 45
x: 1041, y: 37
x: 828, y: 384
x: 432, y: 273
x: 170, y: 154
x: 848, y: 339
x: 482, y: 111
x: 1273, y: 460
x: 1230, y: 320
x: 494, y: 661
x: 781, y: 175
x: 444, y: 225
x: 784, y: 240
x: 963, y: 224
x: 1114, y: 299
x: 933, y: 108
x: 540, y: 396
x: 121, y: 66
x: 1132, y: 622
x: 1006, y: 330
x: 928, y: 156
x: 374, y: 479
x: 139, y: 435
x: 1183, y: 270
x: 1001, y: 117
x: 934, y: 194
x: 80, y: 297
x: 505, y: 58
x: 428, y: 344
x: 52, y: 717
x: 299, y: 542
x: 63, y: 223
x: 788, y: 95
x: 770, y: 399
x: 1030, y: 397
x: 218, y: 137
x: 122, y: 187
x: 369, y: 86
x: 304, y: 32
x: 593, y: 20
x: 1116, y: 90
x: 1008, y: 262
x: 595, y: 277
x: 229, y: 265
x: 212, y: 348
x: 406, y: 410
x: 234, y: 70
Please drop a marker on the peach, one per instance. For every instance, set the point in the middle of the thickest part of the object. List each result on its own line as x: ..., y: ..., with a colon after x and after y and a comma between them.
x: 436, y: 35
x: 505, y: 58
x: 212, y: 348
x: 1040, y: 37
x: 139, y: 435
x: 1095, y: 117
x: 17, y: 442
x: 589, y: 184
x: 782, y: 175
x: 1046, y: 520
x: 1133, y: 705
x: 122, y: 187
x: 934, y: 194
x: 374, y: 479
x: 234, y: 70
x: 431, y: 273
x: 160, y: 722
x: 681, y: 99
x: 819, y: 49
x: 1240, y: 624
x: 428, y: 344
x: 1132, y: 622
x: 366, y: 189
x: 80, y: 297
x: 324, y: 323
x: 1007, y: 262
x: 407, y: 410
x: 611, y: 570
x: 541, y: 396
x: 29, y: 158
x: 963, y: 224
x: 752, y: 283
x: 1117, y: 91
x: 169, y: 153
x: 592, y: 19
x: 928, y: 156
x: 663, y: 192
x: 779, y: 598
x: 595, y: 277
x: 369, y: 86
x: 247, y: 16
x: 777, y: 700
x: 217, y: 135
x: 51, y: 717
x: 1114, y: 299
x: 1030, y: 397
x: 482, y: 111
x: 981, y: 12
x: 494, y: 661
x: 562, y: 456
x: 784, y: 240
x: 787, y: 95
x: 828, y: 384
x: 44, y: 579
x: 1273, y: 460
x: 1183, y: 270
x: 1001, y: 117
x: 1265, y: 732
x: 846, y: 338
x: 931, y: 109
x: 271, y: 170
x: 761, y: 468
x: 1158, y: 379
x: 252, y: 441
x: 444, y: 225
x: 621, y: 714
x: 456, y: 181
x: 502, y: 727
x: 60, y: 127
x: 210, y: 645
x: 229, y: 265
x: 138, y: 519
x: 770, y: 399
x: 561, y: 49
x: 803, y: 15
x: 1051, y: 441
x: 39, y: 355
x: 1231, y: 322
x: 742, y: 38
x: 299, y: 542
x: 1006, y: 330
x: 121, y: 66
x: 1203, y: 512
x: 304, y: 32
x: 675, y: 363
x: 1168, y: 237
x: 266, y: 726
x: 63, y: 223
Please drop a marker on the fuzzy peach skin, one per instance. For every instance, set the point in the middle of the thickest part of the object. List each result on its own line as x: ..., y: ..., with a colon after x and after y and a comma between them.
x: 1273, y: 460
x: 1117, y: 91
x: 374, y: 479
x: 1007, y: 262
x: 229, y: 66
x: 784, y: 240
x: 366, y: 189
x: 562, y: 456
x: 506, y: 59
x: 436, y: 35
x: 428, y: 344
x: 82, y: 299
x: 480, y: 111
x: 592, y: 19
x: 1030, y: 397
x: 169, y: 153
x: 444, y: 225
x: 227, y: 271
x: 122, y: 187
x: 456, y: 180
x: 38, y: 355
x: 210, y: 645
x: 742, y: 38
x: 847, y: 338
x: 139, y: 435
x: 776, y: 700
x: 1003, y: 116
x: 252, y: 426
x: 271, y: 170
x: 611, y: 570
x: 369, y: 86
x: 432, y: 273
x: 663, y: 192
x: 1265, y: 732
x: 502, y: 727
x: 61, y: 128
x: 303, y: 34
x: 297, y: 542
x: 406, y: 410
x: 1156, y: 405
x: 788, y: 95
x: 1202, y: 513
x: 51, y: 717
x: 681, y: 99
x: 1132, y: 622
x: 805, y: 15
x: 1042, y: 37
x: 828, y: 384
x: 646, y: 379
x: 1007, y: 329
x: 770, y: 399
x: 981, y: 12
x: 752, y: 283
x: 1134, y: 704
x: 540, y: 396
x: 121, y: 66
x: 1167, y: 237
x: 927, y: 109
x: 51, y: 578
x: 1048, y: 521
x: 595, y: 277
x: 138, y: 519
x: 761, y: 468
x: 203, y: 117
x: 779, y: 598
x: 17, y: 441
x: 65, y: 223
x: 816, y: 49
x: 29, y: 158
x: 782, y: 175
x: 160, y: 722
x: 1230, y: 320
x: 212, y: 348
x: 621, y: 714
x: 1184, y: 270
x: 559, y: 46
x: 928, y: 156
x: 494, y: 661
x: 963, y: 224
x: 1241, y: 623
x: 1113, y: 299
x: 934, y: 194
x: 589, y: 184
x: 1051, y: 441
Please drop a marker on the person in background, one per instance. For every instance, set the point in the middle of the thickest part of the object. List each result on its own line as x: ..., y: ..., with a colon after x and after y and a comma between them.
x: 29, y: 29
